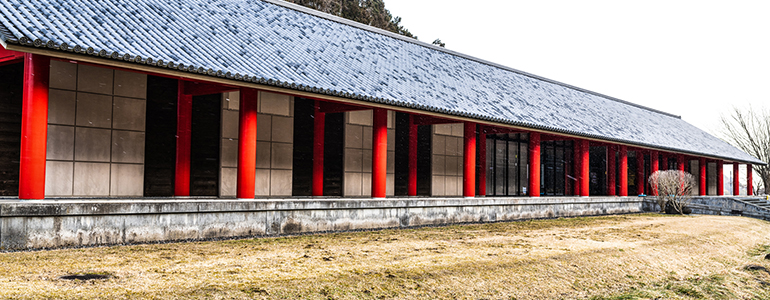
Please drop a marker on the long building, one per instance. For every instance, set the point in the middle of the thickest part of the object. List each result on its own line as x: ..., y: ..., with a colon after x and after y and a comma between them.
x: 111, y: 103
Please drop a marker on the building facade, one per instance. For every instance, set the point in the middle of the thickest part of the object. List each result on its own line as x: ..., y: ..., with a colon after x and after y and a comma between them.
x: 268, y: 100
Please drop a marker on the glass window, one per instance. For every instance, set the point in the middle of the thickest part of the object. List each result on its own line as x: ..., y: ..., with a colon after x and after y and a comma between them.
x: 500, y: 167
x: 523, y: 168
x: 513, y: 156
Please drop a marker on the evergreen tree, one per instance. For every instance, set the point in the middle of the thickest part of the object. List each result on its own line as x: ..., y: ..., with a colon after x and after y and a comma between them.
x: 369, y: 12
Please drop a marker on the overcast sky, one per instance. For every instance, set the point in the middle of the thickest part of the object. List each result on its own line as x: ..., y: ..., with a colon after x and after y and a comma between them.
x: 695, y: 59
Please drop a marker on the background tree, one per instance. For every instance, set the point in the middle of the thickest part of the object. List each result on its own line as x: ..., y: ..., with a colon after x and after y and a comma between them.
x: 672, y: 188
x: 369, y: 12
x: 439, y: 43
x: 749, y: 130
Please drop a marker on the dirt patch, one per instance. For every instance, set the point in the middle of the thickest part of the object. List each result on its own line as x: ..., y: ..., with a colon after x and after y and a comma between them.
x: 617, y: 257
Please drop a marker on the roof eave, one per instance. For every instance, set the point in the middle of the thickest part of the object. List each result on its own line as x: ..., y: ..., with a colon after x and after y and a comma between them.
x: 288, y: 88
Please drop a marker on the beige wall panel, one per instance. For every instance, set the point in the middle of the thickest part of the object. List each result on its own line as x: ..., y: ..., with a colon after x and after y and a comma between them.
x: 360, y: 117
x: 263, y: 154
x: 443, y: 129
x: 367, y: 140
x: 391, y: 139
x: 262, y: 182
x: 94, y: 110
x: 127, y: 146
x: 63, y: 75
x: 127, y: 180
x: 451, y: 166
x: 450, y: 186
x: 91, y: 179
x: 366, y: 163
x: 61, y: 107
x: 451, y: 145
x: 282, y: 129
x: 353, y: 160
x: 94, y: 79
x: 232, y: 100
x: 128, y: 114
x: 352, y: 184
x: 92, y: 144
x: 439, y: 144
x: 228, y: 182
x: 275, y: 104
x: 230, y: 124
x: 130, y: 84
x: 264, y: 127
x: 354, y: 136
x: 437, y: 187
x: 230, y: 153
x: 366, y: 184
x: 60, y: 143
x: 280, y: 182
x: 438, y: 165
x: 282, y: 156
x: 458, y: 129
x: 391, y: 163
x: 390, y: 181
x: 58, y: 178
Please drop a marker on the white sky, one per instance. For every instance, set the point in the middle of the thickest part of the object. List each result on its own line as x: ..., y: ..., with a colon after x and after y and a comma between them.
x: 696, y: 59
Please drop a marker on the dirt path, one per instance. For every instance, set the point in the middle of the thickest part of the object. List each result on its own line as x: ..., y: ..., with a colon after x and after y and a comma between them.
x: 620, y: 257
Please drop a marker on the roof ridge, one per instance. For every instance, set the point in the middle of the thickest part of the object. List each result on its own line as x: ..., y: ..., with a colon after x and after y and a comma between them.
x: 344, y: 21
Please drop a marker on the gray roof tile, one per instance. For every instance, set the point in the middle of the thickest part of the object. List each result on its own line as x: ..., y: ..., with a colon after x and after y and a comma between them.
x: 290, y: 45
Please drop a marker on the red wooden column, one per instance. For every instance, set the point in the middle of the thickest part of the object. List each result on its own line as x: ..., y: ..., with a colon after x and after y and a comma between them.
x: 702, y: 176
x: 623, y: 170
x: 611, y: 151
x: 654, y: 166
x: 640, y: 172
x: 469, y: 160
x: 34, y: 127
x: 585, y: 179
x: 720, y: 178
x: 319, y: 123
x: 481, y: 169
x: 183, y: 141
x: 247, y: 143
x: 412, y: 179
x: 736, y: 179
x: 379, y: 152
x: 680, y: 162
x: 533, y: 188
x: 749, y: 180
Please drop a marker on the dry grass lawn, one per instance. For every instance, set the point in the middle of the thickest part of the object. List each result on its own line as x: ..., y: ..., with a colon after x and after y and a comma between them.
x: 617, y: 257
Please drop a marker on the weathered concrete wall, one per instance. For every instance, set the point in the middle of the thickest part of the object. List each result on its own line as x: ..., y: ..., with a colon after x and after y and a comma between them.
x: 50, y: 223
x: 716, y: 205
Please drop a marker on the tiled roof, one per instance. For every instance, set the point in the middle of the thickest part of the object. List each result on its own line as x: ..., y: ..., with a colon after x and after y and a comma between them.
x: 289, y: 46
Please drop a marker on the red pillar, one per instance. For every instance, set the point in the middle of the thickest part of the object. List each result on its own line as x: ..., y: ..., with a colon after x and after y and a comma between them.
x: 680, y: 162
x: 481, y: 169
x: 34, y: 127
x: 639, y: 172
x: 412, y: 180
x: 379, y: 152
x: 584, y: 168
x: 183, y: 141
x: 611, y: 170
x: 469, y: 163
x: 247, y: 143
x: 654, y: 166
x: 749, y: 180
x: 534, y: 164
x: 319, y: 123
x: 702, y: 176
x: 623, y: 170
x: 736, y: 180
x: 720, y: 178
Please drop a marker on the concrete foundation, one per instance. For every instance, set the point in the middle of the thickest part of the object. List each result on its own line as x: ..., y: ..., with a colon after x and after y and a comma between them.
x: 72, y: 223
x: 719, y: 205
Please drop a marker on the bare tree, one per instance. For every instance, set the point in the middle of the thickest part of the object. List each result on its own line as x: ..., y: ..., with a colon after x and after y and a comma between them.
x: 749, y: 130
x: 672, y: 187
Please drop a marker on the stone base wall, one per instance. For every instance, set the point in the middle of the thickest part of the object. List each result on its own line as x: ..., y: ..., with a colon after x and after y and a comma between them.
x: 717, y: 205
x: 71, y: 223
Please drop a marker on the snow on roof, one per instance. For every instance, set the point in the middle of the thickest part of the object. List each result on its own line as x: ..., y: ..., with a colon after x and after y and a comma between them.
x: 277, y: 43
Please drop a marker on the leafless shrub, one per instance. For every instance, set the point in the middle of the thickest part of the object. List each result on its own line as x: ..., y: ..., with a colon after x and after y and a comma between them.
x: 672, y: 187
